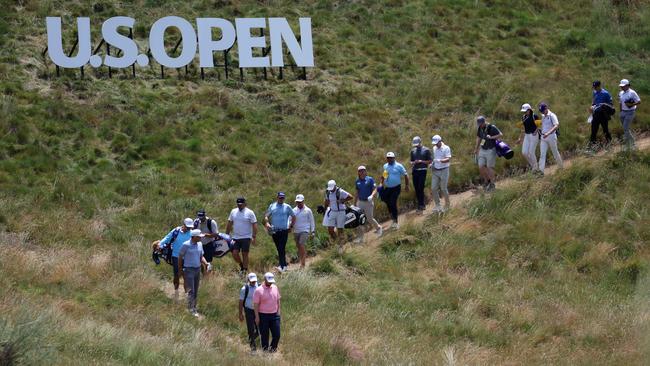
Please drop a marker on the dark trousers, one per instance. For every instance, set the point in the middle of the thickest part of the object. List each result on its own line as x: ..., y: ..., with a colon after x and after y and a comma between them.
x: 192, y: 279
x: 419, y: 177
x: 280, y: 239
x: 251, y: 327
x: 390, y: 197
x: 270, y: 322
x: 600, y: 119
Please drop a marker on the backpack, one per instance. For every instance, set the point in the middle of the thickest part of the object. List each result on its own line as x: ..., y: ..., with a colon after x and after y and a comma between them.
x: 354, y: 217
x: 197, y: 222
x: 167, y: 251
x: 338, y: 193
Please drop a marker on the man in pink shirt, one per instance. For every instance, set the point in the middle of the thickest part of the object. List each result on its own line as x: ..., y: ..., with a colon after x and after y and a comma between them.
x: 266, y: 301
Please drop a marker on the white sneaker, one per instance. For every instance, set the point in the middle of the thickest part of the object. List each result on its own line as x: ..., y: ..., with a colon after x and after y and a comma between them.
x: 394, y: 226
x: 280, y: 268
x: 357, y: 241
x: 379, y: 231
x: 284, y: 269
x: 438, y: 208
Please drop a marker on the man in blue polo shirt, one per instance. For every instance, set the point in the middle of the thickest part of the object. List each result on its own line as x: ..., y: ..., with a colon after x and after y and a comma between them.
x: 176, y: 238
x: 391, y: 183
x: 601, y: 110
x: 366, y: 191
x: 277, y: 224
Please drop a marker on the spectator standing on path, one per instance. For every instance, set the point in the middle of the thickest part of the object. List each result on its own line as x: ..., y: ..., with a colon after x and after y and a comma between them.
x: 440, y: 172
x: 628, y: 100
x: 276, y: 222
x: 420, y: 161
x: 266, y: 301
x: 304, y: 227
x: 366, y: 192
x: 210, y: 231
x: 335, y: 199
x: 601, y: 110
x: 530, y: 136
x: 243, y: 224
x: 550, y: 124
x: 486, y: 152
x: 247, y: 310
x: 391, y: 183
x: 190, y: 259
x: 176, y: 238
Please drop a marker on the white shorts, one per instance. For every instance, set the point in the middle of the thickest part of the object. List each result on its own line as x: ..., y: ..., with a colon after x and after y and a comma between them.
x: 335, y: 219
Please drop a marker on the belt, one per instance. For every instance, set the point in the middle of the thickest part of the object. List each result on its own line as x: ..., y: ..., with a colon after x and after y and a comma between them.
x: 419, y: 169
x: 361, y: 199
x: 441, y: 168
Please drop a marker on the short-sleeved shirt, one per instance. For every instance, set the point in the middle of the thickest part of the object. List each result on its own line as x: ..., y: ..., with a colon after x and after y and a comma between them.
x: 529, y: 123
x: 420, y: 153
x: 365, y: 187
x: 548, y: 121
x: 203, y: 226
x: 178, y: 242
x: 248, y: 302
x: 279, y: 215
x: 331, y: 196
x: 602, y: 96
x: 443, y: 152
x: 242, y: 223
x: 393, y: 174
x: 191, y: 254
x: 483, y: 132
x: 266, y: 298
x: 628, y: 96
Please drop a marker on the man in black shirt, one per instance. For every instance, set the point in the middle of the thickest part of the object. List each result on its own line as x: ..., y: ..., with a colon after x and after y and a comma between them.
x: 485, y: 151
x: 420, y: 161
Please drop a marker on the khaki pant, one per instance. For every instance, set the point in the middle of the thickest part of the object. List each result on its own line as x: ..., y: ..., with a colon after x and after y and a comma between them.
x: 368, y: 208
x: 439, y: 181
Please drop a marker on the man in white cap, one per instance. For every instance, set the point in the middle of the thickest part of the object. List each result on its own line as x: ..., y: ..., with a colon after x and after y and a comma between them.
x: 190, y: 259
x: 440, y: 172
x: 391, y: 183
x: 628, y: 100
x: 486, y: 152
x: 529, y: 136
x: 175, y: 239
x: 247, y: 310
x: 266, y: 301
x: 366, y: 192
x: 420, y: 161
x: 279, y: 221
x: 335, y: 199
x: 304, y: 227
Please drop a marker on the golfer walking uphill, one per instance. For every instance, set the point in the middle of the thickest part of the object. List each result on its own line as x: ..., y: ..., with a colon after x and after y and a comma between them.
x: 529, y: 136
x: 247, y: 310
x: 335, y: 199
x: 304, y: 227
x: 486, y: 152
x: 176, y: 238
x: 601, y: 109
x: 266, y: 301
x: 190, y: 259
x: 440, y: 170
x: 210, y: 231
x: 243, y: 224
x: 628, y: 100
x: 366, y: 192
x: 550, y: 124
x: 277, y: 224
x: 391, y: 183
x: 420, y: 161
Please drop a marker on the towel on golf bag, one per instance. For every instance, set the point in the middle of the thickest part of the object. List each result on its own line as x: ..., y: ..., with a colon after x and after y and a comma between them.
x: 354, y: 217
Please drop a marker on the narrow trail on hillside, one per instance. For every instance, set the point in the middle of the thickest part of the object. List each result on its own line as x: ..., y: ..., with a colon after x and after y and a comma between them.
x: 411, y: 217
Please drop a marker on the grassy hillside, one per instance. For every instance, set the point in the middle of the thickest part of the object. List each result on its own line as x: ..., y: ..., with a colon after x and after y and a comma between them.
x: 92, y: 170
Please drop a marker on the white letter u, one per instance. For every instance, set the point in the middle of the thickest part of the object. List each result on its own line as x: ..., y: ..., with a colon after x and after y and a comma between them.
x: 55, y: 43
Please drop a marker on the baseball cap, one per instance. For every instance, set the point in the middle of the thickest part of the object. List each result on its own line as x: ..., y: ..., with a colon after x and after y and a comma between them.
x: 416, y: 141
x: 436, y: 139
x: 188, y: 222
x: 361, y: 167
x: 200, y: 213
x: 196, y: 232
x: 543, y: 107
x: 281, y: 195
x: 480, y: 120
x: 241, y: 200
x: 269, y: 277
x: 331, y: 184
x: 595, y: 83
x: 252, y: 277
x: 390, y: 154
x: 300, y: 198
x: 624, y: 82
x: 525, y: 107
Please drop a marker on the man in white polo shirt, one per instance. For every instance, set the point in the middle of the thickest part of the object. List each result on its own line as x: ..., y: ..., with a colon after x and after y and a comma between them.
x: 550, y: 124
x: 628, y: 100
x: 335, y: 199
x: 243, y: 223
x: 303, y: 228
x: 440, y: 176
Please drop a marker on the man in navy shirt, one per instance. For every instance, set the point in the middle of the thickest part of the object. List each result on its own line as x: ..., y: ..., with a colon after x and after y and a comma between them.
x: 601, y: 109
x: 366, y: 192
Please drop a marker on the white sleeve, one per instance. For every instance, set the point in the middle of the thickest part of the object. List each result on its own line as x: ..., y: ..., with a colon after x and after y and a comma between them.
x: 312, y: 224
x: 555, y: 120
x: 448, y: 154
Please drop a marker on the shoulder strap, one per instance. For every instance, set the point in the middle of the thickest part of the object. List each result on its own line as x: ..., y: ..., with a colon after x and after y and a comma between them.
x: 246, y: 294
x: 338, y: 193
x: 174, y: 235
x: 210, y: 225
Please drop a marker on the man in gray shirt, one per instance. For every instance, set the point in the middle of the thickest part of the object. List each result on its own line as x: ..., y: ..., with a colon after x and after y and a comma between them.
x: 247, y: 310
x: 190, y: 259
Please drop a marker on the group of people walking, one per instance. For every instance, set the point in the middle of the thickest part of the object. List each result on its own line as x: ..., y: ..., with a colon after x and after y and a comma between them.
x: 192, y: 244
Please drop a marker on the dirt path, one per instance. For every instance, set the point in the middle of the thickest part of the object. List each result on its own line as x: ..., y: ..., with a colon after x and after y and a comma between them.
x: 411, y: 217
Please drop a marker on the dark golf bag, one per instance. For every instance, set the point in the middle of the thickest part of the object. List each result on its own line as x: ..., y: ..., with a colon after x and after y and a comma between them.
x: 503, y: 150
x: 354, y: 217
